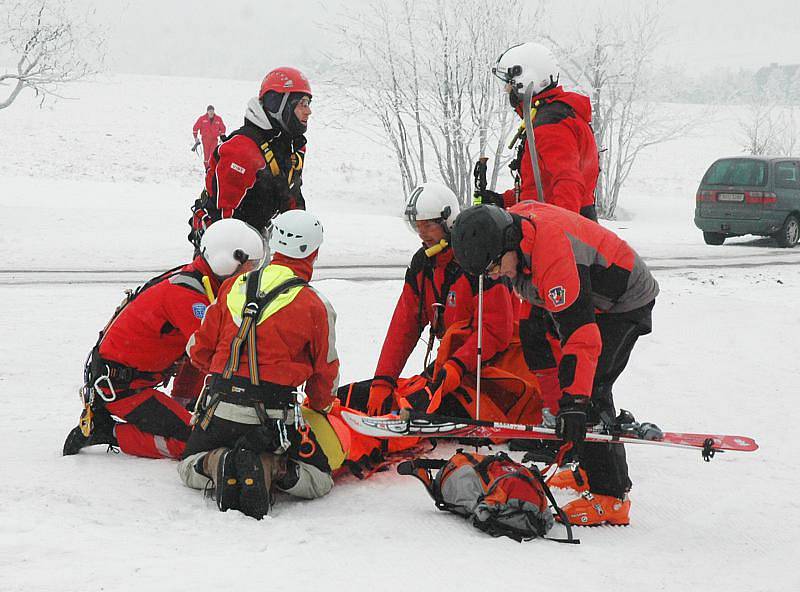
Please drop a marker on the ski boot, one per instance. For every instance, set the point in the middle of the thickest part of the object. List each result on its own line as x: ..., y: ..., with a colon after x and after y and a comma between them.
x: 593, y: 509
x: 257, y: 472
x: 219, y: 465
x: 570, y: 477
x: 101, y: 431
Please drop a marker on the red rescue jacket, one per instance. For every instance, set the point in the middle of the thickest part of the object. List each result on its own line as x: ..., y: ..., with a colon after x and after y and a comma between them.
x: 567, y: 152
x: 575, y: 269
x: 296, y: 344
x: 255, y: 173
x: 151, y: 332
x: 440, y: 280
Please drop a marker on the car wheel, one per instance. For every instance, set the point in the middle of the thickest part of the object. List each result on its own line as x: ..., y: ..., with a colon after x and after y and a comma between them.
x: 789, y: 233
x: 713, y: 238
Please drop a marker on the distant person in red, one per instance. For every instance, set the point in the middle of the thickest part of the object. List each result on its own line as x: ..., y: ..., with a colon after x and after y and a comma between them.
x: 256, y: 172
x: 210, y: 127
x: 143, y: 344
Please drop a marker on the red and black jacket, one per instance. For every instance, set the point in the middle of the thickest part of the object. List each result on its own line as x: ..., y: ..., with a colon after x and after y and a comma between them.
x: 575, y: 269
x: 438, y: 292
x: 150, y: 333
x: 567, y: 152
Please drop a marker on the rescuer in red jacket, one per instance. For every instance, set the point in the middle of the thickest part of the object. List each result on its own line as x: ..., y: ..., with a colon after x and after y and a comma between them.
x: 140, y: 347
x: 268, y: 333
x: 437, y: 293
x: 599, y: 294
x: 257, y: 171
x: 564, y: 138
x: 211, y: 128
x: 568, y: 162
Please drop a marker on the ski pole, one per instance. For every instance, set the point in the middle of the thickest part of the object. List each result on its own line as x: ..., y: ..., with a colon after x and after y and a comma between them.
x: 527, y: 107
x: 480, y: 345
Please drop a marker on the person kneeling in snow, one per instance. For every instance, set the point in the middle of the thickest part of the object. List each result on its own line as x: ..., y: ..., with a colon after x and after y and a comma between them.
x: 142, y: 347
x: 438, y: 293
x: 268, y: 333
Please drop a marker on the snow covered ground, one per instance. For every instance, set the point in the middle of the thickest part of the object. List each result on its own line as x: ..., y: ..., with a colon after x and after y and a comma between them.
x: 104, y: 183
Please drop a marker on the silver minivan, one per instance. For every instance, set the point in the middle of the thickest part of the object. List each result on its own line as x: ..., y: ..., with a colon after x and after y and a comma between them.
x: 750, y: 195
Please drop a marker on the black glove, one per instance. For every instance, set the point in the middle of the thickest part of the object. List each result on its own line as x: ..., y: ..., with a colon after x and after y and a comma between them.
x: 487, y: 197
x: 571, y: 418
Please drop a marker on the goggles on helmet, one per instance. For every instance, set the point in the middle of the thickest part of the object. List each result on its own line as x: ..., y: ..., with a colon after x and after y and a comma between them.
x: 411, y: 213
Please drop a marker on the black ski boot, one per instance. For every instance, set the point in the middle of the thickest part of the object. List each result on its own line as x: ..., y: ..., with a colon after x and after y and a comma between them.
x: 102, y: 433
x: 219, y: 465
x: 255, y: 473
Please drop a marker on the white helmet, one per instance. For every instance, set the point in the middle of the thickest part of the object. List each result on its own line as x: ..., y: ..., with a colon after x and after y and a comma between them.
x: 296, y: 234
x: 432, y: 201
x: 525, y: 63
x: 228, y: 243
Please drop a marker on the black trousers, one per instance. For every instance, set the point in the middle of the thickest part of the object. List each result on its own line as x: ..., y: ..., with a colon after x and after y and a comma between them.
x: 605, y: 464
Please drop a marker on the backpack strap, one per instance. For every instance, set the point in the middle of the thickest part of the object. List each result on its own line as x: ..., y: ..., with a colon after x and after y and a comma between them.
x: 255, y: 303
x: 421, y: 469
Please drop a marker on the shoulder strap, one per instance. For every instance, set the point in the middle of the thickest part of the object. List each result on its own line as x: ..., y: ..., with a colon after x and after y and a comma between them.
x: 255, y: 302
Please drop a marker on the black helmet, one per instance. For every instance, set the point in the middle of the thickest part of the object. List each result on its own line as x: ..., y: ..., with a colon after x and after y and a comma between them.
x: 481, y: 235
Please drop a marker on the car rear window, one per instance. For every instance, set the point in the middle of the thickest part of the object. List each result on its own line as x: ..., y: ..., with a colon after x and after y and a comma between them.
x: 737, y: 172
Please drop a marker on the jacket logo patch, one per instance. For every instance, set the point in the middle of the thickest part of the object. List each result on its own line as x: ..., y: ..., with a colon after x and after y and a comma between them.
x: 451, y: 298
x: 199, y: 310
x: 558, y: 295
x: 237, y: 168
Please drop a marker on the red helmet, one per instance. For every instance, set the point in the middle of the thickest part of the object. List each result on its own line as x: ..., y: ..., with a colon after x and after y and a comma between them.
x: 283, y: 80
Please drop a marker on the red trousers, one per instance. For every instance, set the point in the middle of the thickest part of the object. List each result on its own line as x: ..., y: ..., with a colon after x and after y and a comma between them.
x: 157, y: 426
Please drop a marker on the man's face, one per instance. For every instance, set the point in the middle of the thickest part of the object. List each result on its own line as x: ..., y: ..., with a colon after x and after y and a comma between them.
x: 210, y: 113
x: 302, y: 110
x: 506, y: 267
x: 430, y: 232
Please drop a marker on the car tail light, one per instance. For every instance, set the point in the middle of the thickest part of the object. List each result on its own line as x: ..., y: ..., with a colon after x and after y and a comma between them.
x: 706, y: 196
x: 760, y: 197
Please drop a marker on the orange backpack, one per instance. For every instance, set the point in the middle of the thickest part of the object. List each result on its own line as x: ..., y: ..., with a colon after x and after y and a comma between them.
x: 499, y: 495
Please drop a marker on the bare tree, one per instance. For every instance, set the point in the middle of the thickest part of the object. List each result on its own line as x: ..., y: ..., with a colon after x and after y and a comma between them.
x: 423, y: 70
x: 614, y: 61
x: 771, y: 120
x: 42, y: 47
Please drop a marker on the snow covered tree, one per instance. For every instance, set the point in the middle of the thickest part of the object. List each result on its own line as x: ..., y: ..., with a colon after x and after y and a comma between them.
x: 43, y: 46
x: 771, y: 120
x: 423, y: 71
x: 614, y: 62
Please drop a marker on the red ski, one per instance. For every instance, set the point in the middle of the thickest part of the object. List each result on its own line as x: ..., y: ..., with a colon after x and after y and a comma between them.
x: 435, y: 426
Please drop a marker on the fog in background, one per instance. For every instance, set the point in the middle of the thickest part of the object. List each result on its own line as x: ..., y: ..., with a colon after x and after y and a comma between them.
x: 243, y: 39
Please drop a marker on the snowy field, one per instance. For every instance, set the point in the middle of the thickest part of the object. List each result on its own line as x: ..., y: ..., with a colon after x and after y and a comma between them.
x: 103, y: 184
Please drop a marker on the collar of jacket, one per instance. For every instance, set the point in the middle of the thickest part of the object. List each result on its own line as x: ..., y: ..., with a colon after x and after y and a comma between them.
x: 442, y: 258
x: 548, y: 94
x: 201, y: 265
x: 255, y: 114
x: 303, y: 268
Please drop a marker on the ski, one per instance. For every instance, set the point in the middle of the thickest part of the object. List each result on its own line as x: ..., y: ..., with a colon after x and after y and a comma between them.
x: 434, y: 426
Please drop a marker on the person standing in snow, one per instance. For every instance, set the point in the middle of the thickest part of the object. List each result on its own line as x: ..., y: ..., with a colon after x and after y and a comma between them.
x: 438, y: 293
x: 142, y: 345
x: 599, y: 295
x: 568, y: 162
x: 268, y: 333
x: 257, y: 171
x: 211, y: 128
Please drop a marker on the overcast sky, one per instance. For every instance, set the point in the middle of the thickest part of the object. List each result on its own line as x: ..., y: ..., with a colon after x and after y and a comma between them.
x: 244, y: 38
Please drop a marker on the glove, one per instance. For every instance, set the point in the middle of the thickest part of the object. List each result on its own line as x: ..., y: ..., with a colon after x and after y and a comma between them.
x: 491, y: 198
x: 380, y: 394
x: 196, y: 144
x: 447, y: 380
x: 571, y: 418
